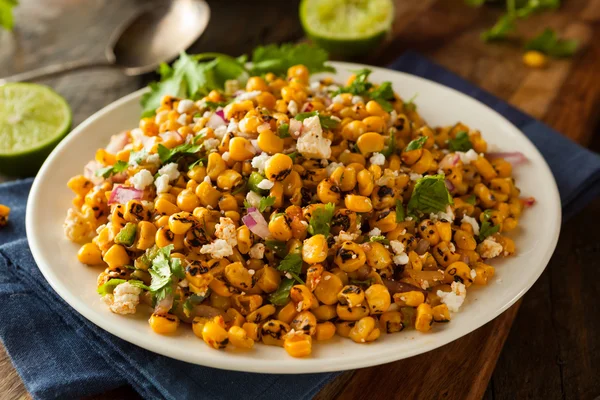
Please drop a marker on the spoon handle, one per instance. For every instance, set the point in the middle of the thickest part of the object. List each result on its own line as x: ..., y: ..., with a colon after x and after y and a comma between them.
x: 53, y: 70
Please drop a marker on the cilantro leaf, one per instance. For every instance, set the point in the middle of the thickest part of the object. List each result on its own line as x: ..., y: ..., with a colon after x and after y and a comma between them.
x: 6, y: 13
x: 266, y: 202
x: 277, y: 59
x: 549, y: 43
x: 326, y: 121
x: 487, y: 226
x: 281, y: 296
x: 460, y: 143
x: 360, y: 85
x: 320, y: 221
x: 504, y: 26
x: 284, y: 131
x: 126, y: 235
x: 201, y: 162
x: 391, y: 147
x: 278, y: 247
x: 383, y: 95
x: 416, y: 144
x: 380, y: 239
x: 109, y: 286
x: 399, y: 211
x: 291, y: 263
x: 167, y: 154
x: 471, y: 199
x: 410, y: 104
x: 162, y: 270
x: 106, y: 172
x: 429, y: 195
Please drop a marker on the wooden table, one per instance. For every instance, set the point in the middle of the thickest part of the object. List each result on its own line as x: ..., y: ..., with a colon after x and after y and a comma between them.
x: 553, y: 349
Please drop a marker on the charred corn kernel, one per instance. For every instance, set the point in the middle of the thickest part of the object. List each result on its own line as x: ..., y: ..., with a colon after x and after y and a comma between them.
x: 239, y: 338
x: 440, y: 313
x: 208, y: 195
x: 378, y: 256
x: 215, y: 335
x: 370, y: 142
x: 355, y: 313
x: 116, y: 256
x: 391, y: 321
x: 287, y: 312
x: 364, y: 330
x: 164, y: 324
x: 228, y: 179
x: 328, y: 288
x: 198, y: 325
x: 351, y: 295
x: 164, y: 237
x: 273, y: 332
x: 90, y: 254
x: 444, y: 231
x: 298, y: 345
x: 165, y: 207
x: 252, y: 330
x: 256, y: 83
x: 444, y: 255
x: 237, y: 319
x: 314, y: 249
x: 241, y: 149
x: 350, y: 257
x: 325, y: 312
x: 181, y: 222
x: 535, y: 59
x: 269, y: 142
x: 237, y: 109
x: 279, y: 228
x: 410, y: 299
x: 484, y: 167
x: 197, y: 173
x: 266, y: 100
x: 80, y: 185
x: 458, y: 271
x: 353, y: 130
x: 357, y: 203
x: 342, y: 328
x: 366, y: 183
x: 247, y: 303
x: 220, y: 288
x: 483, y: 273
x: 215, y: 165
x: 262, y: 314
x: 374, y: 123
x: 424, y: 318
x: 268, y: 279
x: 464, y: 240
x: 305, y: 322
x: 302, y: 297
x: 244, y: 239
x: 324, y: 331
x: 238, y: 276
x: 428, y: 231
x: 378, y: 298
x: 278, y: 167
x: 327, y: 192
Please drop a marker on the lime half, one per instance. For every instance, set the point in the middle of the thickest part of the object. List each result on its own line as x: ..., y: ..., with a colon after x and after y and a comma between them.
x: 347, y: 27
x: 33, y: 119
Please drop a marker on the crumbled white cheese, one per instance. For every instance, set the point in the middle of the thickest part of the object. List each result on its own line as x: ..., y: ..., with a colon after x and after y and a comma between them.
x: 248, y: 95
x: 346, y: 237
x: 292, y: 108
x: 489, y: 248
x: 338, y: 99
x: 184, y: 106
x: 467, y: 157
x: 257, y: 251
x: 265, y: 184
x: 220, y: 131
x: 288, y: 275
x: 455, y: 298
x: 142, y: 179
x: 375, y: 232
x: 377, y: 159
x: 153, y: 159
x: 211, y: 144
x: 79, y: 225
x: 401, y: 259
x: 415, y: 177
x: 314, y: 86
x: 448, y: 215
x: 311, y: 143
x: 332, y: 167
x: 225, y: 230
x: 233, y: 126
x: 218, y: 249
x: 473, y: 274
x: 259, y: 162
x: 253, y: 199
x: 357, y: 99
x: 397, y: 246
x: 473, y: 222
x: 170, y: 170
x: 162, y: 184
x: 124, y: 299
x: 251, y: 272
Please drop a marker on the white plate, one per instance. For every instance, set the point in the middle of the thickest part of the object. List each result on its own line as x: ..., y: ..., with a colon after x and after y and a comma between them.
x: 76, y: 284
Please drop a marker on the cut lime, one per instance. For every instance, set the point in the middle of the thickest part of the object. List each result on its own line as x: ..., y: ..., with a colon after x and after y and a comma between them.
x: 347, y: 27
x: 33, y: 119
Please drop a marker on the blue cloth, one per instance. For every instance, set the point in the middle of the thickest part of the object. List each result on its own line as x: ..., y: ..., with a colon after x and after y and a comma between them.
x: 59, y: 354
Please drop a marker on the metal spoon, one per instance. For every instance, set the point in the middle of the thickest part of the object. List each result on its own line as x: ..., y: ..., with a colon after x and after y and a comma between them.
x: 154, y: 35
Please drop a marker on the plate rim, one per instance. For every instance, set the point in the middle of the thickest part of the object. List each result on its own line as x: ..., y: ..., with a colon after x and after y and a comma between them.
x: 283, y: 366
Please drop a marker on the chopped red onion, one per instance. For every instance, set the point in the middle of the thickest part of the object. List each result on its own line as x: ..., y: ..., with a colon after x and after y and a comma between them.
x: 122, y: 194
x: 255, y: 221
x: 221, y: 114
x: 449, y: 185
x: 165, y: 305
x: 514, y: 157
x: 215, y: 121
x: 117, y: 142
x: 295, y: 128
x: 528, y: 201
x: 307, y: 107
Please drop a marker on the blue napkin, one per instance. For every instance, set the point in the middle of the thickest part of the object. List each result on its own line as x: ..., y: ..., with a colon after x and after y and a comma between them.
x: 59, y: 354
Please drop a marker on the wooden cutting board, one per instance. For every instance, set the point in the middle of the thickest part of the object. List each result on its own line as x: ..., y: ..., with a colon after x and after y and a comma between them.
x: 566, y: 95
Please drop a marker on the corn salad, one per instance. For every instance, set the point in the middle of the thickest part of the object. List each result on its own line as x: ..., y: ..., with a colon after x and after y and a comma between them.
x: 287, y: 211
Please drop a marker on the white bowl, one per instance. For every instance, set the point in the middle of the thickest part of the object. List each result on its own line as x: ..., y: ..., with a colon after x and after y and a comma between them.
x: 76, y: 283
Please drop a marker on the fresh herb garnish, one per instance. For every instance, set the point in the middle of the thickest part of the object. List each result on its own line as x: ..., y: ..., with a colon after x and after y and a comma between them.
x: 292, y: 264
x: 410, y: 104
x: 416, y: 144
x: 383, y: 95
x: 110, y: 286
x: 278, y: 247
x: 360, y: 85
x: 266, y: 202
x: 193, y: 300
x: 549, y: 43
x: 430, y: 195
x: 391, y: 147
x: 106, y: 172
x: 6, y: 13
x: 320, y: 221
x: 487, y: 227
x: 326, y: 121
x: 471, y: 199
x: 201, y: 162
x: 281, y: 296
x: 283, y: 131
x: 277, y: 59
x: 460, y: 143
x: 167, y: 154
x: 293, y: 155
x: 126, y: 235
x: 380, y: 239
x: 213, y: 105
x: 399, y: 211
x: 162, y: 271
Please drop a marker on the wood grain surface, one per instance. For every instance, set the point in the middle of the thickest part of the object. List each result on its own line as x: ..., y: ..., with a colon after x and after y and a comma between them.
x: 552, y: 350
